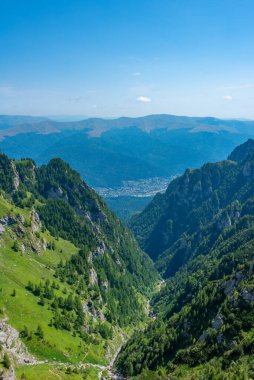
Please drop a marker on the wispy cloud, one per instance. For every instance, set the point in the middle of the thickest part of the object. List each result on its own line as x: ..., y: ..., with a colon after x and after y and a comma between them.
x: 227, y: 97
x: 136, y: 74
x: 144, y: 99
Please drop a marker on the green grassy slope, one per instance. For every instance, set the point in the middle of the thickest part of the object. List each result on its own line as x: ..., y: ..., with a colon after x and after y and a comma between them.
x: 17, y: 269
x: 72, y: 278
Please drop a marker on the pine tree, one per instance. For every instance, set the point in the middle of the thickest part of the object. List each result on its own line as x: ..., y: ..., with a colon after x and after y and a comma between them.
x: 41, y: 301
x: 15, y: 246
x: 69, y: 303
x: 24, y: 333
x: 39, y: 332
x: 6, y: 361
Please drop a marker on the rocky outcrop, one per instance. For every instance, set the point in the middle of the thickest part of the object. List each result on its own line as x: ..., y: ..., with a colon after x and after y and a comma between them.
x: 6, y: 221
x: 44, y: 244
x: 57, y: 193
x: 229, y: 287
x: 36, y: 246
x: 8, y: 374
x: 100, y: 249
x: 217, y: 322
x: 15, y: 176
x: 21, y: 219
x: 11, y: 343
x: 2, y: 229
x: 35, y: 221
x: 93, y: 277
x: 247, y: 295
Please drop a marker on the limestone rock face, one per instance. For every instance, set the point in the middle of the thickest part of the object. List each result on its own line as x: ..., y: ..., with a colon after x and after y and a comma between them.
x: 247, y: 296
x: 57, y: 193
x: 218, y: 322
x: 93, y: 276
x: 6, y: 221
x: 7, y: 374
x: 15, y: 177
x: 21, y: 219
x: 2, y: 229
x: 35, y: 221
x: 44, y: 244
x: 10, y: 341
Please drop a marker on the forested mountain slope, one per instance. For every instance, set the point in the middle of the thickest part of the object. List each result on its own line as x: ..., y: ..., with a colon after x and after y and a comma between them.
x: 201, y: 232
x: 72, y: 276
x: 200, y: 203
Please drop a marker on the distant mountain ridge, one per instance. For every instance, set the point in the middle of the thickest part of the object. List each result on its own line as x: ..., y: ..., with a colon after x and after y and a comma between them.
x: 96, y: 126
x: 108, y: 152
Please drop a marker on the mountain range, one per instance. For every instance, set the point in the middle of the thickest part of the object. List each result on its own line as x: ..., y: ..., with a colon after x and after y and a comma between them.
x: 80, y: 299
x: 107, y: 152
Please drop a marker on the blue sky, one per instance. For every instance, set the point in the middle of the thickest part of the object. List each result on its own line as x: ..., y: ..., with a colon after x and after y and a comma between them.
x: 127, y: 57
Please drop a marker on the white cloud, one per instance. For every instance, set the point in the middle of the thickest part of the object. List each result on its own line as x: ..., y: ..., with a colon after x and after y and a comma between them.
x: 136, y: 74
x: 227, y: 97
x: 144, y: 99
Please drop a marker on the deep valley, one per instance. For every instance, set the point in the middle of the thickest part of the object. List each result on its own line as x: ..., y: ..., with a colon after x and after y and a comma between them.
x: 79, y: 298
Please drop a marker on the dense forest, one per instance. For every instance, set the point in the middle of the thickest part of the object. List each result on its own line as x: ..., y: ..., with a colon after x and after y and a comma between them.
x: 201, y: 235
